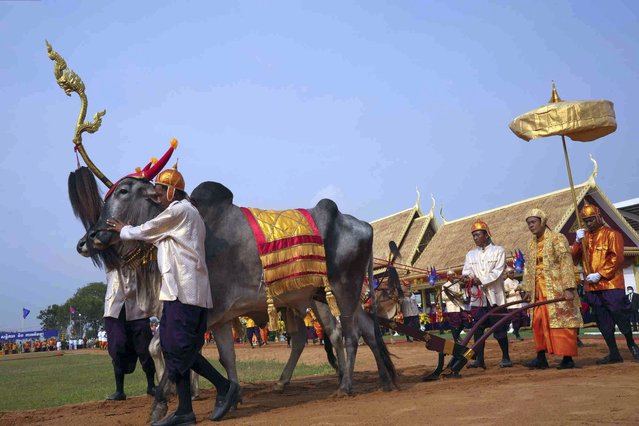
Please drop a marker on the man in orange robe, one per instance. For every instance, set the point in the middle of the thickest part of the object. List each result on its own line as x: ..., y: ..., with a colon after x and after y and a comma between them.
x: 604, y: 285
x: 549, y: 274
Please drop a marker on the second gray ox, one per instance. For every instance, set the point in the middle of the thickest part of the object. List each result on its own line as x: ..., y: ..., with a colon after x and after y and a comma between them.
x: 235, y: 269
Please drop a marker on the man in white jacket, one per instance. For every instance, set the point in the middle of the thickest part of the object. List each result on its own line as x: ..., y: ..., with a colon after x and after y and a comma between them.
x: 484, y: 266
x: 178, y: 233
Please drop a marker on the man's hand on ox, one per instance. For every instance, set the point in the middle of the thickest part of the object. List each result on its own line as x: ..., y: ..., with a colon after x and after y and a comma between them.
x: 115, y: 225
x: 580, y: 235
x: 594, y: 277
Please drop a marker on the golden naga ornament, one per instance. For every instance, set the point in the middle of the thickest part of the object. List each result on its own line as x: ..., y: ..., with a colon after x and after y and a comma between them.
x: 70, y: 82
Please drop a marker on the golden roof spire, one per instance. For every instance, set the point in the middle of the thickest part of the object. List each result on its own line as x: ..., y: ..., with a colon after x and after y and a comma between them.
x: 554, y: 97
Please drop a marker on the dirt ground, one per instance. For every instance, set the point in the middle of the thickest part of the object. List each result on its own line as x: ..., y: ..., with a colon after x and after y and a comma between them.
x: 589, y: 394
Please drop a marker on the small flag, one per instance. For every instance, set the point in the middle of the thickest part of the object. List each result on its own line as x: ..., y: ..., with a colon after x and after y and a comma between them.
x: 25, y: 313
x: 71, y: 310
x: 432, y: 277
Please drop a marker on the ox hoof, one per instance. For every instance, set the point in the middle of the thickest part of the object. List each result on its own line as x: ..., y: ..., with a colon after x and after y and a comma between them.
x: 158, y: 411
x: 342, y: 393
x: 279, y: 387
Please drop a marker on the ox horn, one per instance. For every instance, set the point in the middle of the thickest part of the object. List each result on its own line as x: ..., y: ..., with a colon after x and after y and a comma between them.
x: 70, y: 82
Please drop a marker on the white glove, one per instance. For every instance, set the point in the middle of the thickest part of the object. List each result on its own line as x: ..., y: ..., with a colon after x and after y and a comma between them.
x: 580, y: 234
x: 594, y: 277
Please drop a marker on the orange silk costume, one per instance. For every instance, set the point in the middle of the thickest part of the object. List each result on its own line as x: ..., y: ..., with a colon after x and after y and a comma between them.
x: 554, y: 325
x: 605, y: 252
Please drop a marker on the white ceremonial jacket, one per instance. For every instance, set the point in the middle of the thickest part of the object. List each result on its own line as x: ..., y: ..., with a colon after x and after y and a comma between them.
x: 487, y: 265
x: 178, y: 233
x: 511, y: 295
x: 409, y: 306
x: 122, y: 290
x: 450, y: 306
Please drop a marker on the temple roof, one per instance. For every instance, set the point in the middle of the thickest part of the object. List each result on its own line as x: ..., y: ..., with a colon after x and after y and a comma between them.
x: 392, y: 228
x: 448, y: 248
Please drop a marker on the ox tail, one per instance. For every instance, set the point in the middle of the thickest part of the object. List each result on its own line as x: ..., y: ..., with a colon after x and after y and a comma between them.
x: 379, y: 339
x: 330, y: 355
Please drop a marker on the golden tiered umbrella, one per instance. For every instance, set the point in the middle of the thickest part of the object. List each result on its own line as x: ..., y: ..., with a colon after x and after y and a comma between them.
x: 582, y: 121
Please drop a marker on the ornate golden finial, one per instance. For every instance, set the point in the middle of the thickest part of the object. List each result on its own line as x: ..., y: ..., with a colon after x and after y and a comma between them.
x: 418, y: 198
x: 432, y: 208
x: 554, y: 97
x: 441, y: 215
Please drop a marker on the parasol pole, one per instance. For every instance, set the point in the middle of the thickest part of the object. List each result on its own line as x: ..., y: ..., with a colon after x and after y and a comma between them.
x: 584, y: 252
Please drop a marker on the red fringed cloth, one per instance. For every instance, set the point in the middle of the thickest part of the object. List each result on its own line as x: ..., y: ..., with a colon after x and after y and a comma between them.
x: 292, y: 254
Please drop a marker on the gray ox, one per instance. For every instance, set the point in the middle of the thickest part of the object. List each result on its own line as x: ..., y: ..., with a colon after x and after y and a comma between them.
x: 235, y: 270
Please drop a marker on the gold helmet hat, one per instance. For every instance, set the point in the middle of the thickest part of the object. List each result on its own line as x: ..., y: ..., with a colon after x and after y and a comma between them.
x: 480, y: 225
x: 172, y: 179
x: 590, y: 210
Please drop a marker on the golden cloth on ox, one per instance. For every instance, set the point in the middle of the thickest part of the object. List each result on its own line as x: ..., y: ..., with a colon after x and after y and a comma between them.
x: 582, y: 121
x: 292, y: 254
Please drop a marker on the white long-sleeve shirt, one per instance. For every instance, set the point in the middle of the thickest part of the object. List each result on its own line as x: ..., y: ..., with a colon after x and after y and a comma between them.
x: 450, y: 305
x: 122, y: 290
x: 487, y: 265
x: 510, y: 287
x: 178, y: 233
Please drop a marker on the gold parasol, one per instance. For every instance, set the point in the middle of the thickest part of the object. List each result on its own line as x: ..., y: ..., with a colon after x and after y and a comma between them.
x: 582, y: 121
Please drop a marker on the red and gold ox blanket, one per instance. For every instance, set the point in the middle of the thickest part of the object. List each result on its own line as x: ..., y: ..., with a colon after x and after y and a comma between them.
x: 292, y: 253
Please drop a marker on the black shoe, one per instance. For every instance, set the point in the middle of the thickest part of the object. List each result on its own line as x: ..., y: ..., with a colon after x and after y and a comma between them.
x: 224, y: 403
x: 565, y: 365
x: 634, y: 350
x: 117, y: 396
x: 505, y: 363
x: 177, y: 420
x: 610, y: 359
x: 537, y: 364
x: 150, y: 390
x: 477, y: 364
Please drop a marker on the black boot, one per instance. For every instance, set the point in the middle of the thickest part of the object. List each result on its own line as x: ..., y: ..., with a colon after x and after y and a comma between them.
x: 566, y: 363
x: 223, y: 403
x: 505, y: 356
x: 630, y: 341
x: 614, y: 356
x: 177, y: 420
x: 150, y: 382
x: 119, y: 394
x: 539, y: 363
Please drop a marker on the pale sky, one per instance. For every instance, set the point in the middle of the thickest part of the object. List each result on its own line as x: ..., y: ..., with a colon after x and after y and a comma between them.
x: 289, y: 102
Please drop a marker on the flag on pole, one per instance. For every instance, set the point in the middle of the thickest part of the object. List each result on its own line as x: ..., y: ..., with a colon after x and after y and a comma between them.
x: 71, y: 310
x: 25, y: 313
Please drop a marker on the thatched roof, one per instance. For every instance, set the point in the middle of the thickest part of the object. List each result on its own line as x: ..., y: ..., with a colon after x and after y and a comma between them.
x: 392, y: 228
x: 419, y: 234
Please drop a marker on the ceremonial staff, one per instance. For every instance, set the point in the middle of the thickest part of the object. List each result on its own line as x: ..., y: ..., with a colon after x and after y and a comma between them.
x: 582, y: 121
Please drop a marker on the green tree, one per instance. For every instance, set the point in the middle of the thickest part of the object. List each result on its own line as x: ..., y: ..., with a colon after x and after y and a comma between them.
x: 54, y: 317
x: 88, y: 302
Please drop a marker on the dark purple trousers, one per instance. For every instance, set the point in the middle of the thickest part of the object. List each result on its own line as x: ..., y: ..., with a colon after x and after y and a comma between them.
x: 182, y: 330
x: 128, y: 341
x: 610, y: 307
x: 518, y: 320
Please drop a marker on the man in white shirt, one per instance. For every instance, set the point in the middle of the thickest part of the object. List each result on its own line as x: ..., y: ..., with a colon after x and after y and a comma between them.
x: 410, y: 311
x: 179, y: 232
x: 513, y: 294
x: 484, y: 266
x: 127, y: 325
x: 457, y: 317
